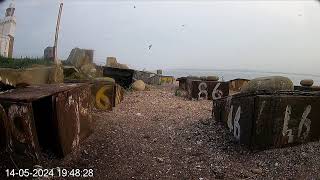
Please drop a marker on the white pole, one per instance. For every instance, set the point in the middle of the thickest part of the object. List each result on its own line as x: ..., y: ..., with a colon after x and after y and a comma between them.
x: 55, y: 47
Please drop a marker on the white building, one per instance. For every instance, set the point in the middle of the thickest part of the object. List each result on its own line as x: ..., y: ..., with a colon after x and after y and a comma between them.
x: 7, y: 30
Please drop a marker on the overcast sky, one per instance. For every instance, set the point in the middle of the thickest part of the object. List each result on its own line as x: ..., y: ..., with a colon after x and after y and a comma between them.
x: 259, y: 35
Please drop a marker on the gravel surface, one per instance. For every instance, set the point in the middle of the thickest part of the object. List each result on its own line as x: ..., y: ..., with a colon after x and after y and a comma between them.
x: 156, y: 135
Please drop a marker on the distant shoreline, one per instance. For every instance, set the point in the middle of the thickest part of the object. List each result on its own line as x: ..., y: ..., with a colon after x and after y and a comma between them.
x: 244, y: 70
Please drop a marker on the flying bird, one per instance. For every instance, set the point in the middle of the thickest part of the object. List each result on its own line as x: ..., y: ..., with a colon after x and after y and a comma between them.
x: 150, y: 46
x: 134, y: 6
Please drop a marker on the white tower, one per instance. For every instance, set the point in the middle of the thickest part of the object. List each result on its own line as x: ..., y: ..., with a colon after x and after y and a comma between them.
x: 7, y: 30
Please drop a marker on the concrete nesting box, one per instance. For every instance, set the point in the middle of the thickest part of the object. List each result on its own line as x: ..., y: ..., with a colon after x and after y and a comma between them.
x: 49, y: 117
x: 269, y: 120
x: 235, y: 85
x: 182, y: 83
x: 104, y: 94
x: 123, y: 77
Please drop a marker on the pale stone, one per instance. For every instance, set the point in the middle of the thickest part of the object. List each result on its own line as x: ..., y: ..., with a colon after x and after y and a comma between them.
x: 212, y: 78
x: 138, y: 85
x: 270, y: 84
x: 306, y: 82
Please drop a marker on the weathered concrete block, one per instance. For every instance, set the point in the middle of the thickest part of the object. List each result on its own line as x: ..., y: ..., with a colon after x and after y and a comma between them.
x: 89, y: 69
x: 182, y: 83
x: 307, y: 88
x: 236, y: 85
x: 166, y: 80
x: 49, y: 117
x: 198, y: 89
x: 123, y: 77
x: 264, y: 120
x: 79, y: 57
x: 26, y: 76
x: 112, y: 62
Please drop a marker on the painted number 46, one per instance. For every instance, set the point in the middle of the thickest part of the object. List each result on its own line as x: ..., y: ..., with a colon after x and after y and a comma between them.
x: 304, y: 122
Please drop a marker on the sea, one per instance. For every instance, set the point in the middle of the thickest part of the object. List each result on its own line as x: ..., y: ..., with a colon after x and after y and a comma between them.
x: 226, y: 75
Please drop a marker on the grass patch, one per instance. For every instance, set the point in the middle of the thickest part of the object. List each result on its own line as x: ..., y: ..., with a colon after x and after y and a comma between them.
x: 23, y: 62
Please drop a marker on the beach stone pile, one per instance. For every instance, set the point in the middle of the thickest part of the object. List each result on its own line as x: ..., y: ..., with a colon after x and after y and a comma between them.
x: 306, y: 82
x: 112, y: 62
x: 269, y: 84
x: 139, y: 85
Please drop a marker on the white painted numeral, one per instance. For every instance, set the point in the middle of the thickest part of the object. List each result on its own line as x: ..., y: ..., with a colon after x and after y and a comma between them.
x: 236, y: 125
x: 285, y: 130
x: 305, y: 122
x: 203, y: 90
x: 216, y: 94
x: 229, y: 122
x: 236, y: 129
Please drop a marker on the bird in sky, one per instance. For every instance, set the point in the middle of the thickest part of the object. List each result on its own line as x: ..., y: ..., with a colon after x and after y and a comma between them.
x: 134, y: 6
x: 150, y: 46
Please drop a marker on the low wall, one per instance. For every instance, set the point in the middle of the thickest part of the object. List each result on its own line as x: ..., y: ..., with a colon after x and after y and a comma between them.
x: 31, y: 76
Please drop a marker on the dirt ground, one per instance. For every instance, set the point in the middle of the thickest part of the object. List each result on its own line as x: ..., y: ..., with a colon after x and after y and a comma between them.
x: 157, y: 135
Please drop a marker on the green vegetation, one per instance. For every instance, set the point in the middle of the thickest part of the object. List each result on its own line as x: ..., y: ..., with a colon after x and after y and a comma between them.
x: 23, y: 62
